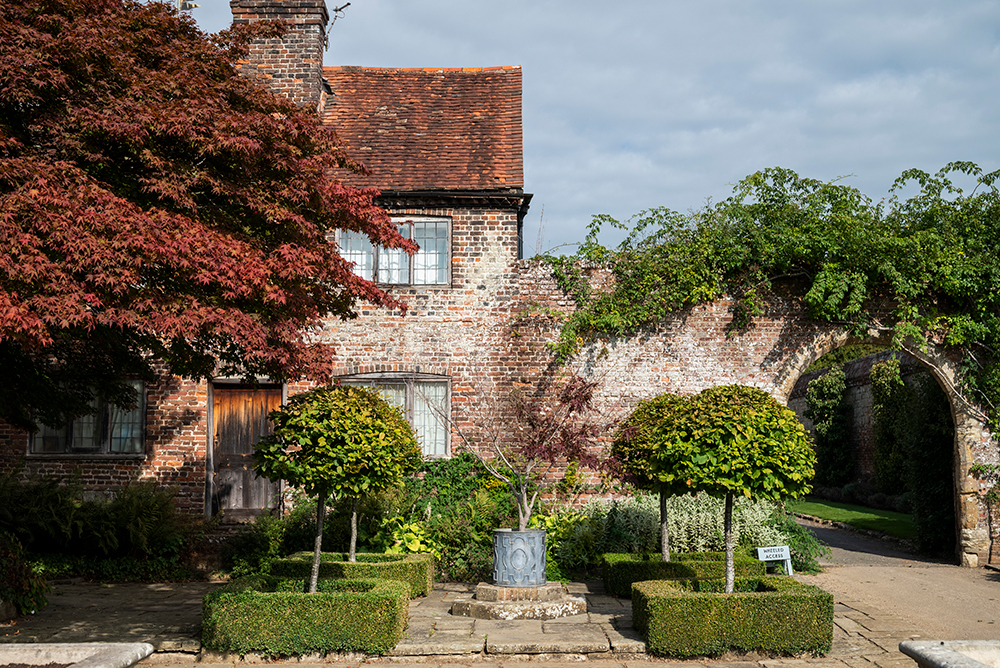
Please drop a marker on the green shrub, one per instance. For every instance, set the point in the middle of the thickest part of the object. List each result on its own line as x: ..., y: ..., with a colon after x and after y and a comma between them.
x: 621, y: 571
x: 20, y: 584
x: 774, y: 614
x: 271, y: 616
x: 52, y: 515
x: 631, y: 525
x: 416, y: 570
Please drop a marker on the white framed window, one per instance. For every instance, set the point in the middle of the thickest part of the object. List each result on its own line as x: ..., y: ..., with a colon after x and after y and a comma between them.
x: 109, y: 430
x: 428, y: 266
x: 424, y: 399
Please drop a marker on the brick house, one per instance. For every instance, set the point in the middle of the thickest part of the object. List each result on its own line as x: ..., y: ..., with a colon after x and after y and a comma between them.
x: 445, y: 149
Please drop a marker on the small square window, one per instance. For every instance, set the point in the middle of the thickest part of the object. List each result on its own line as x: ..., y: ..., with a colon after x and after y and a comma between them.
x: 391, y: 266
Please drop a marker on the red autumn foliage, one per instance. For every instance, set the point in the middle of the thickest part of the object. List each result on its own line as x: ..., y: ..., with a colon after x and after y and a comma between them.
x: 156, y: 205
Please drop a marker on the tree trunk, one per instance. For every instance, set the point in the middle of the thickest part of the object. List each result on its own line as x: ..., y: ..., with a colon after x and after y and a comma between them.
x: 664, y: 531
x: 351, y: 556
x: 318, y: 544
x: 728, y: 527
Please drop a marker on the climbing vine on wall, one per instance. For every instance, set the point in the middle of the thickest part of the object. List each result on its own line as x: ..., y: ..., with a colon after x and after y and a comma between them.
x: 925, y: 267
x: 830, y: 415
x: 914, y: 444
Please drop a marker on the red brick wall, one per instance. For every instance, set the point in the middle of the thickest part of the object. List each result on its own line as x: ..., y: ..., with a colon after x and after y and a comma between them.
x: 488, y: 330
x: 293, y: 64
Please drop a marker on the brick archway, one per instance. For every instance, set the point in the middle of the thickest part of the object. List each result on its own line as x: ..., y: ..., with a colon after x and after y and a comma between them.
x: 971, y: 439
x: 695, y: 349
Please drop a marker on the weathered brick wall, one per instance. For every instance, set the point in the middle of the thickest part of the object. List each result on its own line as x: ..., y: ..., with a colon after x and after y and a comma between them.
x: 176, y: 419
x: 291, y: 65
x: 488, y: 331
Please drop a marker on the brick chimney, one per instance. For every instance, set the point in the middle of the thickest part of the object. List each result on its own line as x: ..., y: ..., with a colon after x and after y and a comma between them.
x: 291, y: 66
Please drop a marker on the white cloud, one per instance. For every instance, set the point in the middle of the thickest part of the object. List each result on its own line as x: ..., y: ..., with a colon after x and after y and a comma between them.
x: 634, y: 104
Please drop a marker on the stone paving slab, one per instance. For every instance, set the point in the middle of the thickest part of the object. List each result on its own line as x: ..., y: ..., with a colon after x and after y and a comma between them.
x: 529, y: 637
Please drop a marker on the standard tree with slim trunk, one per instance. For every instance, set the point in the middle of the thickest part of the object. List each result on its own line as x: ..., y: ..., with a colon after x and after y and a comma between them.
x: 731, y: 440
x: 337, y: 441
x: 636, y: 442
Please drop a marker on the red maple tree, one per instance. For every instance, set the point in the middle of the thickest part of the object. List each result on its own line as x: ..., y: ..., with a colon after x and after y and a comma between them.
x: 155, y: 205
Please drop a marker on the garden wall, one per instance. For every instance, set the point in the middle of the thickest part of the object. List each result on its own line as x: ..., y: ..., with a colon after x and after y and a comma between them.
x: 489, y: 331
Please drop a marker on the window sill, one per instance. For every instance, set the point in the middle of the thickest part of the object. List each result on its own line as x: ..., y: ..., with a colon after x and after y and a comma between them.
x: 83, y: 456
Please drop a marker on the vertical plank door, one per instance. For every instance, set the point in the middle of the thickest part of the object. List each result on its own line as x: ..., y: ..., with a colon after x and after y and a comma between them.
x: 240, y: 419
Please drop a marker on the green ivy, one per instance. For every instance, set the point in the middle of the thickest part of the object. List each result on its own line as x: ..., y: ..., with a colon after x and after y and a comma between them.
x: 926, y: 268
x: 830, y: 415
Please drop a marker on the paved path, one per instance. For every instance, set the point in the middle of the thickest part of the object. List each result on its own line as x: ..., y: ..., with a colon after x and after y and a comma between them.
x: 168, y: 616
x: 943, y: 601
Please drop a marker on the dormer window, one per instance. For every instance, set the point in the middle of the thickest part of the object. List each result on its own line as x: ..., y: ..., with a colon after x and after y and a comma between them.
x: 389, y: 266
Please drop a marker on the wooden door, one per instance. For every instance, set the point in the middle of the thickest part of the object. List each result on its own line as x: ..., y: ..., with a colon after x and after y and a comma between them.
x: 239, y: 419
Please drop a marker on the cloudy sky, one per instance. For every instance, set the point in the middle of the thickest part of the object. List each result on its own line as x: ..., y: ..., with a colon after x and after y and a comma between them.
x: 640, y: 103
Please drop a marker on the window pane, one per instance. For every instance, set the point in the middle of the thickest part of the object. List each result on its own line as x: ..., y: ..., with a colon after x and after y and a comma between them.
x: 430, y: 264
x: 394, y: 264
x: 87, y: 431
x: 394, y: 393
x: 47, y: 439
x: 357, y: 248
x: 429, y: 406
x: 125, y: 427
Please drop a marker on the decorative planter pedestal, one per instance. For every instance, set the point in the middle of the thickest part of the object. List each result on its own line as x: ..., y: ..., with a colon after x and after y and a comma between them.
x: 519, y: 589
x: 548, y: 601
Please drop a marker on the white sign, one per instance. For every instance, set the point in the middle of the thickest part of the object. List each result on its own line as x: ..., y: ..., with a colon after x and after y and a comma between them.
x: 777, y: 553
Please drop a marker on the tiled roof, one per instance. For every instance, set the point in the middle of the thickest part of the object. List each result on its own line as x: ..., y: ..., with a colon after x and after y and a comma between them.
x: 430, y: 129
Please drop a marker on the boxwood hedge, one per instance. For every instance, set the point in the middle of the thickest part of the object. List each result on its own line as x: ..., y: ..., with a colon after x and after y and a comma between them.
x: 417, y: 570
x: 273, y: 617
x: 622, y: 570
x: 691, y: 618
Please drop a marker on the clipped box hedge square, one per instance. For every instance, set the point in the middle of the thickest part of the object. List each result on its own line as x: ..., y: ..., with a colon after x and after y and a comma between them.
x: 620, y: 571
x: 417, y: 570
x: 272, y: 617
x: 773, y: 614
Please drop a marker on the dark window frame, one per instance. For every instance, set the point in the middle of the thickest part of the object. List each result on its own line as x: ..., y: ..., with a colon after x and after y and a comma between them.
x: 411, y: 268
x: 103, y: 448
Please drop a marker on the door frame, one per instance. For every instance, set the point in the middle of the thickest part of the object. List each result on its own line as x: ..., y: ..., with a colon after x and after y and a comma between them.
x: 210, y: 439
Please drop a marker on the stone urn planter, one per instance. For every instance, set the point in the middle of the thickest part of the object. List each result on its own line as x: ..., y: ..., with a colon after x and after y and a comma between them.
x: 519, y: 558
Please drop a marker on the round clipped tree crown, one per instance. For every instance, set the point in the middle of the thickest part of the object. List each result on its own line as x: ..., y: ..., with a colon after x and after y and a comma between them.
x: 735, y: 439
x: 345, y: 440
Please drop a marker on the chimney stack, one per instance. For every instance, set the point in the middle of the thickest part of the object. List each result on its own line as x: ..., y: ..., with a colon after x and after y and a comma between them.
x: 293, y: 65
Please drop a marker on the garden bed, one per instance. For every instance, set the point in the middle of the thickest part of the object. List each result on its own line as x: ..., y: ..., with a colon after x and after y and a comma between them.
x: 416, y: 570
x: 271, y: 616
x: 620, y: 571
x: 692, y: 618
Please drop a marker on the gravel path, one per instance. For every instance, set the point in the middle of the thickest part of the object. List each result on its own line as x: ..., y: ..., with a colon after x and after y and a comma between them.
x: 944, y: 601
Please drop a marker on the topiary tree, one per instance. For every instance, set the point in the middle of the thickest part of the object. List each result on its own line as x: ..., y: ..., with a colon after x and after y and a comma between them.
x: 341, y: 441
x: 637, y: 440
x: 732, y: 440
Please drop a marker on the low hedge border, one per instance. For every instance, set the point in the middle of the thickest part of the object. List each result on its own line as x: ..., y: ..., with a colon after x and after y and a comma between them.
x: 620, y: 571
x: 690, y: 618
x: 417, y: 570
x: 272, y: 617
